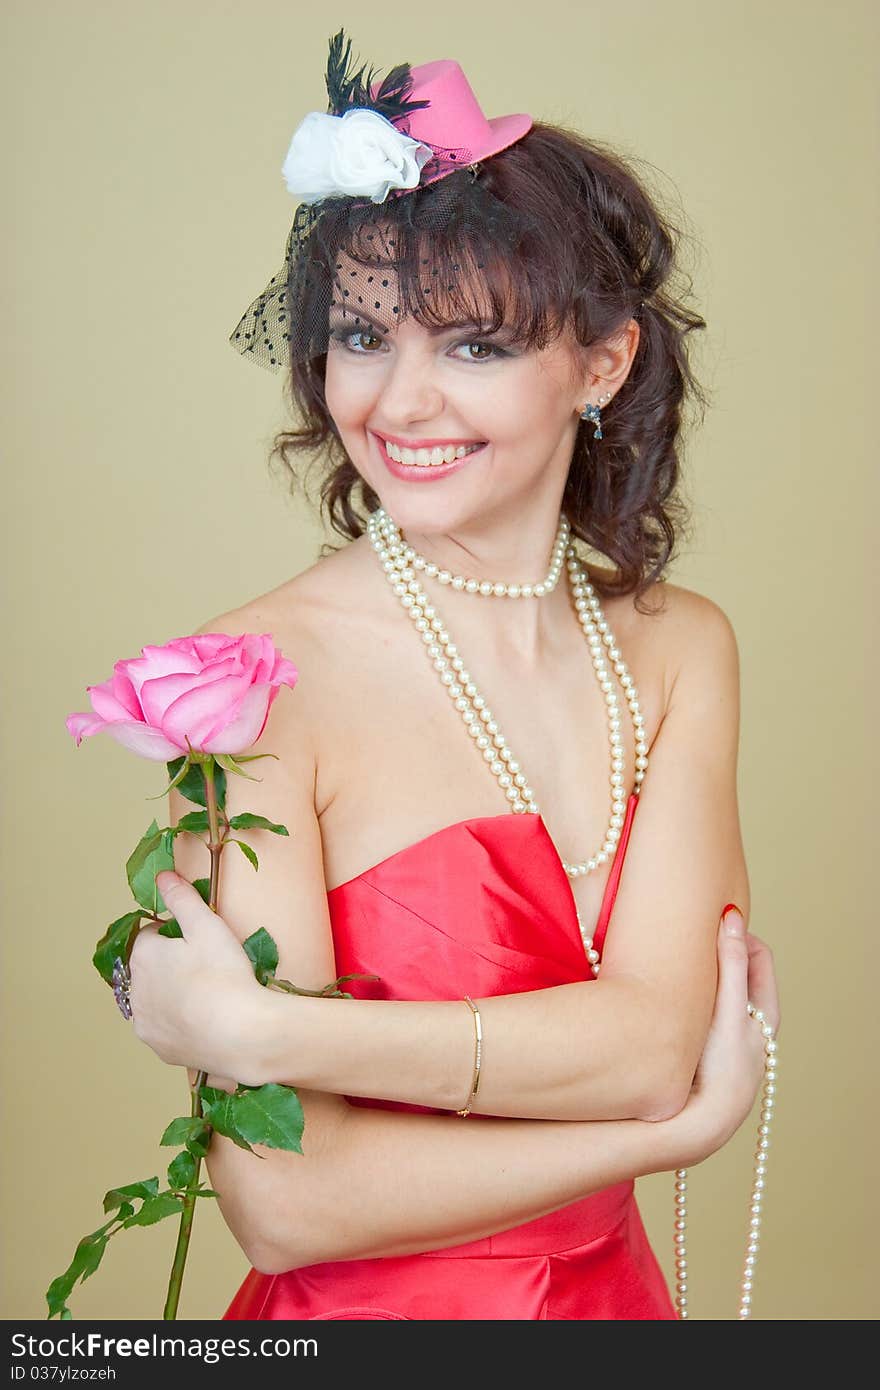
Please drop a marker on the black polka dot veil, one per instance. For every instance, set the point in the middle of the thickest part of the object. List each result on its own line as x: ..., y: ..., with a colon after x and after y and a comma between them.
x: 367, y: 265
x: 436, y: 251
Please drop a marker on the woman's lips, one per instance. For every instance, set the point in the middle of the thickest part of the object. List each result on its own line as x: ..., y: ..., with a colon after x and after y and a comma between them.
x: 415, y: 473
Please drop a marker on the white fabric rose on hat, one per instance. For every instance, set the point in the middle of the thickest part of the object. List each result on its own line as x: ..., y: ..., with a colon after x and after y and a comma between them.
x: 357, y: 154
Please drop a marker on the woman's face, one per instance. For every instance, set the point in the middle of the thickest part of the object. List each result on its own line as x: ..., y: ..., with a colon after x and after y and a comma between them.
x: 455, y: 385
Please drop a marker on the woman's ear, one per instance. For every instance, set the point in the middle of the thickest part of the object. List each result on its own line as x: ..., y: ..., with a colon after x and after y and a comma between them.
x: 608, y: 363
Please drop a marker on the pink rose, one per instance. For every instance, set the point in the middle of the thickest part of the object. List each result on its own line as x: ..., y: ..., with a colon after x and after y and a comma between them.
x: 212, y: 689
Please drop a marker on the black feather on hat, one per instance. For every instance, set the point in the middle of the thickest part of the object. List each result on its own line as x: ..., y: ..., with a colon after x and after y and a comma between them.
x: 347, y: 90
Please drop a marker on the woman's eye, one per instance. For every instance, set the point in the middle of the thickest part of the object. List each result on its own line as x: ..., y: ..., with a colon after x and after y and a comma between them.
x: 344, y: 336
x: 347, y: 336
x: 478, y: 343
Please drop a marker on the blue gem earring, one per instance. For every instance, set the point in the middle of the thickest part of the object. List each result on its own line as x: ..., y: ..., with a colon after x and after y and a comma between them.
x: 592, y: 412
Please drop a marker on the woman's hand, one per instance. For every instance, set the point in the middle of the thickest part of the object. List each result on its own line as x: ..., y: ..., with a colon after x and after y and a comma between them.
x: 731, y: 1068
x: 195, y: 999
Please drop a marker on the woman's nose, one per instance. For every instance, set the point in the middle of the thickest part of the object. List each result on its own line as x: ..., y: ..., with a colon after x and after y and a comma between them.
x: 410, y: 389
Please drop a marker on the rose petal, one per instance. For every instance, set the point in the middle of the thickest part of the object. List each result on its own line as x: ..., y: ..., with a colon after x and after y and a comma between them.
x: 284, y: 672
x: 146, y: 742
x: 160, y: 692
x: 200, y: 712
x: 105, y: 703
x: 239, y: 733
x: 124, y: 692
x: 82, y: 725
x: 204, y: 646
x: 157, y: 661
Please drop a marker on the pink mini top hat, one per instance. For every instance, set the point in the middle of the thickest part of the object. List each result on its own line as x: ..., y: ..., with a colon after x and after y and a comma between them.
x: 378, y: 140
x: 453, y: 123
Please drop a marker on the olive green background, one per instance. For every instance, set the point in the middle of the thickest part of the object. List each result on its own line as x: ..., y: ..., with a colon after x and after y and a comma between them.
x: 143, y: 151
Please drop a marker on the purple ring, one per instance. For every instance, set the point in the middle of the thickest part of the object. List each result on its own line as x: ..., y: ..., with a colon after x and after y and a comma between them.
x: 121, y: 986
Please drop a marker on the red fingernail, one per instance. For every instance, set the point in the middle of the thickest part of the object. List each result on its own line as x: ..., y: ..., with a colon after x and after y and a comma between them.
x: 726, y: 908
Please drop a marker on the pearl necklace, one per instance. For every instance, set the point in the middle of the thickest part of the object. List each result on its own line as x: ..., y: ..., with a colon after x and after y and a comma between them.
x: 400, y: 563
x: 484, y: 586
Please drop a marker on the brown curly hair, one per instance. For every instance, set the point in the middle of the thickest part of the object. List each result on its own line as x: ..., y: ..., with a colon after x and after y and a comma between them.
x: 602, y: 253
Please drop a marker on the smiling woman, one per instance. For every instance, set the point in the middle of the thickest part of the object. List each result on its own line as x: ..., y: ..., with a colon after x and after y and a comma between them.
x: 520, y: 408
x: 488, y: 978
x: 550, y: 250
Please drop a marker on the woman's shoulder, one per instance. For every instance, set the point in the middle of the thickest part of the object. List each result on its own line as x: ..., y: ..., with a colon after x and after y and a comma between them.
x: 666, y: 613
x: 304, y: 608
x: 670, y: 630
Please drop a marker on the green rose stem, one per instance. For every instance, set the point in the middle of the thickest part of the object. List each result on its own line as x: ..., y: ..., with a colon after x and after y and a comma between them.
x: 215, y: 846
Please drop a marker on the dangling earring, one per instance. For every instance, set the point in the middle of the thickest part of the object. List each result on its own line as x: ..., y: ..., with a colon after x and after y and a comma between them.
x: 592, y: 412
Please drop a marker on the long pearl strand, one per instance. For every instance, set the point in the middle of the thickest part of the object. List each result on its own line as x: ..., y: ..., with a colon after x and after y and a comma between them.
x: 768, y: 1100
x: 398, y: 560
x: 400, y: 563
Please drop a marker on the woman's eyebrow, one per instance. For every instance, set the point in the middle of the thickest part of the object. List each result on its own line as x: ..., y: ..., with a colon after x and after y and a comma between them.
x: 361, y: 316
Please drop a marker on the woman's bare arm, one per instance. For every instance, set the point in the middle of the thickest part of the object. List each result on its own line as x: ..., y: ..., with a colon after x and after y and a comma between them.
x: 373, y: 1182
x: 624, y: 1045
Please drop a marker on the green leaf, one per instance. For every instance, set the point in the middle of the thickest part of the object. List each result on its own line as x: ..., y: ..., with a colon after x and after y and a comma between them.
x: 210, y: 1094
x: 170, y: 928
x: 193, y: 784
x: 262, y: 953
x: 246, y: 851
x: 191, y: 1130
x: 223, y: 1123
x: 196, y: 822
x: 203, y: 888
x: 117, y: 1196
x: 251, y: 757
x: 270, y: 1115
x: 181, y: 765
x: 85, y: 1261
x: 226, y: 760
x: 181, y: 1169
x: 155, y: 1208
x: 246, y: 820
x: 116, y: 941
x: 202, y: 1191
x: 147, y: 859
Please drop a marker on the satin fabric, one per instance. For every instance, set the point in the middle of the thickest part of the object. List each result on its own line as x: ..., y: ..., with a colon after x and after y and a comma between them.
x: 482, y: 907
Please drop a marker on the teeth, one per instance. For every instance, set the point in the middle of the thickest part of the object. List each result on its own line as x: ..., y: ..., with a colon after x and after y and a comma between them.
x: 429, y: 458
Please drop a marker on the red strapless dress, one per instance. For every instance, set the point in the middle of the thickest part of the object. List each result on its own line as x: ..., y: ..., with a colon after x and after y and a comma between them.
x: 482, y: 907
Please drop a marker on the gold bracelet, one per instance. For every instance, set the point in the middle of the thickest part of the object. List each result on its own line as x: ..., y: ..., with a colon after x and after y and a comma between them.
x: 477, y: 1055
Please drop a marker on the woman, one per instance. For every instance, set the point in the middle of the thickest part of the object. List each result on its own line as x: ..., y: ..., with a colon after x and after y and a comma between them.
x: 426, y: 235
